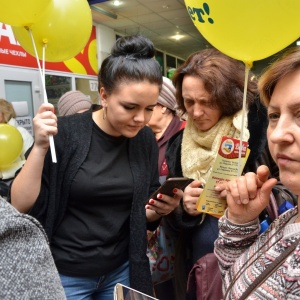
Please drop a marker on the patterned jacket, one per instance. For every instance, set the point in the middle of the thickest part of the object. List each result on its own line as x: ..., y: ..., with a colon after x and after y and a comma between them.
x: 243, y: 255
x: 27, y: 268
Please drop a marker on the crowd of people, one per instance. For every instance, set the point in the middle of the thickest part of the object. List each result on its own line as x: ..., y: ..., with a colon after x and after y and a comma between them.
x: 94, y: 206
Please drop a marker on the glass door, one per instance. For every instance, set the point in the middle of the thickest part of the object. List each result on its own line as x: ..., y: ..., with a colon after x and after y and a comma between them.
x: 19, y: 93
x: 22, y: 87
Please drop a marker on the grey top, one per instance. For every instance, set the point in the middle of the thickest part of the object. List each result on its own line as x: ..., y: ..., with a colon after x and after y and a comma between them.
x: 27, y: 268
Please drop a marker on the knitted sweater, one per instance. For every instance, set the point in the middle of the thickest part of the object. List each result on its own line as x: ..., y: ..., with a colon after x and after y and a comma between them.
x: 239, y: 245
x: 72, y: 145
x: 27, y: 268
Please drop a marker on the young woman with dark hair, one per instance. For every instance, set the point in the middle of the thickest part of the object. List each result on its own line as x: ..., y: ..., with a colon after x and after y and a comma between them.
x: 92, y: 201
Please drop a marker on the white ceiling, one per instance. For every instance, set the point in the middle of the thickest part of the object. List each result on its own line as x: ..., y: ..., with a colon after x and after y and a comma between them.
x: 158, y: 20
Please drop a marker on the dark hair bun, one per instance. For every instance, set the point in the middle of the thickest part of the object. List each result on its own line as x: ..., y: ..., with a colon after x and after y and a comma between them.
x: 136, y: 46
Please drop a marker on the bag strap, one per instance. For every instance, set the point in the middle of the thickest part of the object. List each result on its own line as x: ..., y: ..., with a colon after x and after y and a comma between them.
x: 272, y: 208
x: 269, y: 269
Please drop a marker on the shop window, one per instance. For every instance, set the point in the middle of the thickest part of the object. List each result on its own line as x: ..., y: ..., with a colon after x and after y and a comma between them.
x: 89, y: 87
x: 159, y: 56
x: 179, y: 62
x: 56, y: 86
x: 171, y: 63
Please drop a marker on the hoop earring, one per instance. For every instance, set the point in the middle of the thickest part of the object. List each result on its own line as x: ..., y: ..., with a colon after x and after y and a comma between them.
x: 104, y: 113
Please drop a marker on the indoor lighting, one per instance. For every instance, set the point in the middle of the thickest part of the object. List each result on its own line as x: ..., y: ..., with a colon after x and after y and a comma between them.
x: 177, y: 36
x: 117, y: 3
x: 298, y: 43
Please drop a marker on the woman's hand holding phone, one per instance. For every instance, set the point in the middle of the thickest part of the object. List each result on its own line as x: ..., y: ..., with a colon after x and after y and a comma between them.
x: 167, y: 197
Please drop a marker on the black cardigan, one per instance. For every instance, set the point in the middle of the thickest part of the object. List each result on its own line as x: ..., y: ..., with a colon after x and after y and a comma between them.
x: 72, y: 144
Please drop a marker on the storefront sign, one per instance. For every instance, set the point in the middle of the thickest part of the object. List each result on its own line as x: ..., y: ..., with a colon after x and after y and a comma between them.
x: 11, y: 53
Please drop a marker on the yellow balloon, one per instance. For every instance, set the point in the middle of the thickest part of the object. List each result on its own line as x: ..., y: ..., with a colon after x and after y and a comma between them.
x: 22, y: 12
x: 11, y: 144
x: 93, y: 56
x: 247, y: 30
x: 64, y: 29
x: 75, y: 66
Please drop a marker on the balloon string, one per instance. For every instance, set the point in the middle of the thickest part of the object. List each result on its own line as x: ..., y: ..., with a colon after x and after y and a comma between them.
x: 247, y: 69
x: 42, y: 74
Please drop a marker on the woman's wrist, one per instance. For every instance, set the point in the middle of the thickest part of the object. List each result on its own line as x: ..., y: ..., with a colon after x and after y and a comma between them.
x: 162, y: 214
x: 239, y: 221
x: 152, y: 216
x: 38, y: 150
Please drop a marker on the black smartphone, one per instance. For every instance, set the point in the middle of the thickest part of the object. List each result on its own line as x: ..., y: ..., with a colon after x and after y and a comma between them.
x: 170, y: 184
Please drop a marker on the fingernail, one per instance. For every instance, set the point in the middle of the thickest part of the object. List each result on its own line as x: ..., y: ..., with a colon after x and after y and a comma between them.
x: 175, y: 191
x: 217, y: 188
x: 245, y: 201
x: 159, y: 196
x: 151, y: 201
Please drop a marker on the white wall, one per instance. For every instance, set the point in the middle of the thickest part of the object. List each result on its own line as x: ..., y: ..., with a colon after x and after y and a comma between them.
x: 106, y: 38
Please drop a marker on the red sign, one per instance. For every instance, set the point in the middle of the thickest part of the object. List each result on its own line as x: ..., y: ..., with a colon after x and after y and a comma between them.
x: 11, y: 53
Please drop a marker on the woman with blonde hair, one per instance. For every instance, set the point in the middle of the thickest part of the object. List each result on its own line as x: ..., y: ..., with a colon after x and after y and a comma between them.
x: 247, y: 259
